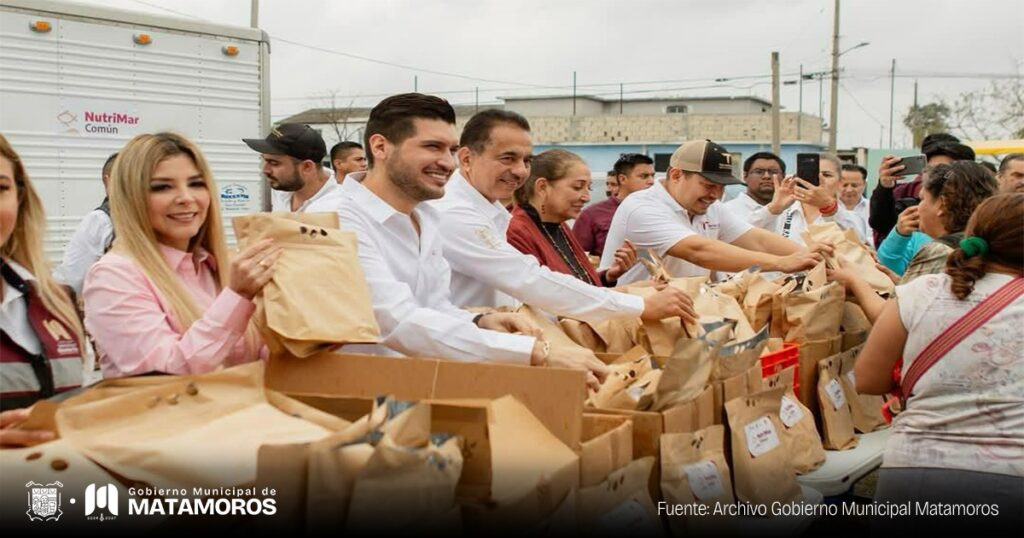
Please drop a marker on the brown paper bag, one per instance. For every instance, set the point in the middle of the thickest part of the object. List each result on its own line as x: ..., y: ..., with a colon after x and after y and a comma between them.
x: 814, y: 314
x: 583, y: 334
x: 853, y: 253
x: 810, y: 353
x: 338, y: 309
x: 761, y: 464
x: 607, y: 446
x: 866, y: 409
x: 685, y: 375
x: 693, y: 467
x: 664, y: 333
x: 779, y: 299
x: 712, y: 305
x: 836, y: 417
x: 737, y: 386
x: 621, y: 505
x: 189, y: 432
x: 799, y: 432
x: 627, y: 372
x: 735, y: 358
x: 420, y: 483
x: 737, y: 286
x: 757, y: 303
x: 552, y: 331
x: 619, y: 335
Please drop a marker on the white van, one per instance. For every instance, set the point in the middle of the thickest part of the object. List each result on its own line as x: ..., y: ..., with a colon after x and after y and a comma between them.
x: 78, y: 81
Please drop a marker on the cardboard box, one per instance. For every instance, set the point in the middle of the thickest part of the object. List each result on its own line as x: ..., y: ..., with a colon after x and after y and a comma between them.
x: 554, y: 395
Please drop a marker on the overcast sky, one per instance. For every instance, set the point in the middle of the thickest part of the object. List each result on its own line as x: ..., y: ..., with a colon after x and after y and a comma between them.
x: 515, y: 47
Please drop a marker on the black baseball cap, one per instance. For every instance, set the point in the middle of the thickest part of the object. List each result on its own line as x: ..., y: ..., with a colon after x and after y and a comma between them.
x: 707, y: 159
x: 293, y: 139
x: 931, y: 141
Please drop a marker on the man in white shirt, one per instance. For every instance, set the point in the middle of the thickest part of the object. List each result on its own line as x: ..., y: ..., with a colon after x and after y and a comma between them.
x: 681, y: 220
x: 92, y: 239
x: 346, y: 158
x: 410, y: 151
x: 851, y: 191
x: 292, y: 154
x: 494, y: 158
x: 760, y: 171
x: 797, y: 203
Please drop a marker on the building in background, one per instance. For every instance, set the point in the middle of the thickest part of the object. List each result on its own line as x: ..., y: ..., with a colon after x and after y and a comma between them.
x: 600, y: 130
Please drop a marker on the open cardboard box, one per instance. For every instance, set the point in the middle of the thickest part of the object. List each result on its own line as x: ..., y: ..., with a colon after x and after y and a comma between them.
x: 514, y: 470
x: 554, y: 395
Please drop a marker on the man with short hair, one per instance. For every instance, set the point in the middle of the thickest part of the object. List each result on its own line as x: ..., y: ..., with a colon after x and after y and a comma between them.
x: 1011, y: 173
x: 611, y: 184
x: 494, y: 161
x: 851, y: 191
x: 760, y: 172
x: 680, y: 219
x: 92, y: 238
x: 410, y: 142
x: 633, y: 172
x: 938, y: 148
x: 292, y: 154
x: 346, y: 158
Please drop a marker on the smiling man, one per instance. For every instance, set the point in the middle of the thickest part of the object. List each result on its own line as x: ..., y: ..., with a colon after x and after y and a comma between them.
x: 679, y: 218
x: 410, y: 143
x: 494, y: 161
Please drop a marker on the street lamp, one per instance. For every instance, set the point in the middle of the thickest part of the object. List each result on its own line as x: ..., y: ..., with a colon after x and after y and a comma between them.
x: 834, y: 111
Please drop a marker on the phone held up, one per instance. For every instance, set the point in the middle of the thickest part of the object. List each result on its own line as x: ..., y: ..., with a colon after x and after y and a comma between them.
x: 913, y: 165
x: 903, y: 203
x: 807, y: 167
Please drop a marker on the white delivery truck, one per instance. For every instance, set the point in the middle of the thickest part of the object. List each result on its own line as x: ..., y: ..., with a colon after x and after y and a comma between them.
x: 78, y: 81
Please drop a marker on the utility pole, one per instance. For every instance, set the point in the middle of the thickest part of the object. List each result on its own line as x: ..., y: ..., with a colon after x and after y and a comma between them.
x: 477, y: 107
x: 776, y: 135
x: 800, y: 116
x: 415, y: 83
x: 834, y: 111
x: 892, y: 97
x: 573, y: 93
x: 254, y: 13
x: 620, y: 98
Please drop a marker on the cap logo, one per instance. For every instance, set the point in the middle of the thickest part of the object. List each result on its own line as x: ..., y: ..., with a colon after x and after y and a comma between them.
x: 276, y: 133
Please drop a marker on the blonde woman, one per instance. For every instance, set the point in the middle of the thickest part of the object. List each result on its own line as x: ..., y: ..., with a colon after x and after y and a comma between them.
x: 40, y: 333
x: 168, y: 297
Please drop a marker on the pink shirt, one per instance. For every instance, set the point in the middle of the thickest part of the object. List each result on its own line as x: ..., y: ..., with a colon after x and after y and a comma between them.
x: 136, y: 333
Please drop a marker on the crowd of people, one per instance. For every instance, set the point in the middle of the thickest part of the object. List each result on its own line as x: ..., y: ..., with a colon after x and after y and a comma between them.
x: 447, y: 222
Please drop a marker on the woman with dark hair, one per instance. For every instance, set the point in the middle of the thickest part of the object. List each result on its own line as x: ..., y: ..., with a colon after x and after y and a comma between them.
x: 949, y: 195
x: 960, y: 439
x: 556, y: 191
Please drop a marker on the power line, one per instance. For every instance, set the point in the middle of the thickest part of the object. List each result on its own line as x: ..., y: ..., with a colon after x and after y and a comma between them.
x: 859, y: 105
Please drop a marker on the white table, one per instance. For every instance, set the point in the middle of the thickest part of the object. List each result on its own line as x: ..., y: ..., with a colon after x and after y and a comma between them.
x: 844, y: 467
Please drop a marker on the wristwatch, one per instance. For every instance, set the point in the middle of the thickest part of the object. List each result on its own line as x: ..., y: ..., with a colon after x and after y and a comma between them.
x: 545, y: 352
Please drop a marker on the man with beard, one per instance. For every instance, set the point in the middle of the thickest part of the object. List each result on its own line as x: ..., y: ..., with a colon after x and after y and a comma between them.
x: 1011, y: 173
x: 679, y: 218
x: 760, y: 172
x: 292, y: 154
x: 494, y: 160
x: 410, y: 143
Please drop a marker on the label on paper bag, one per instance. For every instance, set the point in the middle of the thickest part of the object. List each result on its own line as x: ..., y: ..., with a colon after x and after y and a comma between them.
x: 705, y: 480
x: 761, y: 436
x: 790, y: 412
x: 835, y: 393
x: 852, y: 379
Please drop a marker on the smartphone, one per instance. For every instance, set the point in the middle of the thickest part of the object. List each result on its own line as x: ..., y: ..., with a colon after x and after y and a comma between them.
x: 903, y: 203
x: 913, y: 165
x: 807, y: 166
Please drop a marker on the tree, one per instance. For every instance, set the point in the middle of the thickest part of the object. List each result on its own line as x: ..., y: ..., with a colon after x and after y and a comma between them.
x: 991, y: 113
x: 339, y: 118
x: 925, y: 120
